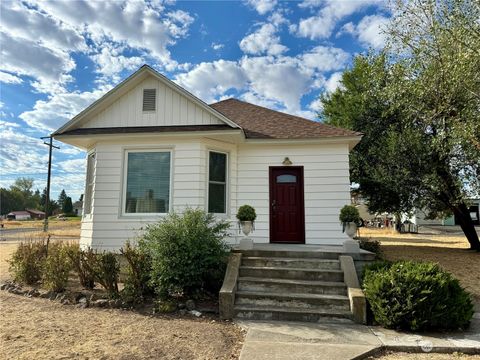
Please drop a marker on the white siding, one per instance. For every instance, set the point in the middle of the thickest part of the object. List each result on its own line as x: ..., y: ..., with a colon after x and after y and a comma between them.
x: 172, y: 109
x: 326, y: 186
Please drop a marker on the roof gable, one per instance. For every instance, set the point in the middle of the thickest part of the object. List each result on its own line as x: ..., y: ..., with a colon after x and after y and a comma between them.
x: 261, y: 123
x: 122, y: 106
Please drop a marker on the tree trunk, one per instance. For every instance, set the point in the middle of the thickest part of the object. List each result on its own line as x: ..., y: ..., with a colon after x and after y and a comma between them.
x: 466, y: 223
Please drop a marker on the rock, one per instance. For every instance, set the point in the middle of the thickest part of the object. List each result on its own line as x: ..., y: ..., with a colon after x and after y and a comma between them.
x: 195, y: 313
x: 44, y: 294
x: 181, y: 306
x: 115, y: 303
x: 60, y: 297
x: 100, y: 303
x: 65, y: 301
x: 34, y: 293
x: 182, y: 312
x: 93, y: 298
x: 82, y: 300
x: 190, y: 305
x: 4, y: 286
x: 81, y: 305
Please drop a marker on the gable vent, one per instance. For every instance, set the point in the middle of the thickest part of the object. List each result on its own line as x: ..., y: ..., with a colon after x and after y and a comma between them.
x: 149, y: 97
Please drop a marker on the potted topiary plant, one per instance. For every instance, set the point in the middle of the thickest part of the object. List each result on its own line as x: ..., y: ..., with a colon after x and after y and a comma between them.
x: 350, y: 218
x: 246, y: 216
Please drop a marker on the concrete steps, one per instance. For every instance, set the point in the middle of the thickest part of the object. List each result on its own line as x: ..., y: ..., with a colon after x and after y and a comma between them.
x: 287, y: 313
x: 319, y: 264
x: 291, y: 273
x: 290, y: 285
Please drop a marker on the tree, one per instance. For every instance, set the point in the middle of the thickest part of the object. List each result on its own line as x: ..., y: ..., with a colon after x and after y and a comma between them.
x: 418, y: 104
x: 67, y: 207
x: 52, y: 203
x: 61, y: 198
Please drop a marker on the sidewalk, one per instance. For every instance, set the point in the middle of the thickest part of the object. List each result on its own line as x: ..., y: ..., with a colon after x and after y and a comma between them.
x: 343, y: 339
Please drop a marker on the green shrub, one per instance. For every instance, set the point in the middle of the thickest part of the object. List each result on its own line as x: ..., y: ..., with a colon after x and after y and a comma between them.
x: 106, y: 269
x: 185, y: 251
x: 246, y: 213
x: 138, y: 268
x: 349, y: 213
x: 371, y: 245
x: 27, y: 261
x: 80, y: 264
x: 416, y: 296
x: 56, y: 267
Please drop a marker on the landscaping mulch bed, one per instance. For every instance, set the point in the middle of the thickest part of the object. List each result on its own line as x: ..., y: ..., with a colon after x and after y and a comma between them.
x: 35, y: 328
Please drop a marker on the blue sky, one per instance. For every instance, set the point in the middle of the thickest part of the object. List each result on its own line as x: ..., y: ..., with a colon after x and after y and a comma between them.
x: 59, y: 56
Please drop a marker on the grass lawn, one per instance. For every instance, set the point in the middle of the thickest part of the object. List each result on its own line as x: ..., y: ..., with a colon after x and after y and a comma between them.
x: 447, y: 249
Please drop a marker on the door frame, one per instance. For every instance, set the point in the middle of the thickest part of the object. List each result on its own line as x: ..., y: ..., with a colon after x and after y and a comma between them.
x: 271, y: 183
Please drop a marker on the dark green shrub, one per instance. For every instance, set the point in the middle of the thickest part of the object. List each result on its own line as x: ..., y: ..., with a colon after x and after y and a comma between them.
x: 56, y: 267
x: 349, y: 213
x: 416, y: 296
x: 371, y: 245
x: 246, y: 213
x: 185, y: 251
x: 138, y: 268
x: 27, y: 261
x: 80, y: 264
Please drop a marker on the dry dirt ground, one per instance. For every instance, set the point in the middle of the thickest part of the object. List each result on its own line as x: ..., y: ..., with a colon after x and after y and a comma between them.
x: 425, y: 356
x: 447, y: 249
x: 41, y: 329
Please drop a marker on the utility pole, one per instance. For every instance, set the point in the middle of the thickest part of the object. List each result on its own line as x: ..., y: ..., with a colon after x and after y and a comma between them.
x: 47, y: 197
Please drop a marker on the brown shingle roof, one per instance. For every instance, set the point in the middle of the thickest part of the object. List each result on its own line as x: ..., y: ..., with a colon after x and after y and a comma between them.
x: 262, y: 123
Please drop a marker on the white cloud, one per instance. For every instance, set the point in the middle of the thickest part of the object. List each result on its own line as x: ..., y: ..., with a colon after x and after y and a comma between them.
x: 109, y: 62
x: 9, y: 78
x: 208, y: 80
x: 49, y: 115
x: 72, y: 165
x: 217, y: 47
x: 316, y: 105
x: 325, y: 58
x: 138, y: 24
x: 369, y: 31
x: 262, y: 41
x: 333, y: 82
x: 262, y: 6
x: 321, y: 25
x: 49, y: 67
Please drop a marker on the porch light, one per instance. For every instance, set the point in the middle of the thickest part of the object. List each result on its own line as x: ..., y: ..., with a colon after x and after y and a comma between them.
x: 286, y: 161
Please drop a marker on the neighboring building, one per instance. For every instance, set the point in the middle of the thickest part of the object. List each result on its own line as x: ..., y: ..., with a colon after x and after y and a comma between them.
x: 419, y: 217
x: 36, y: 214
x: 77, y: 208
x: 18, y: 215
x: 154, y: 148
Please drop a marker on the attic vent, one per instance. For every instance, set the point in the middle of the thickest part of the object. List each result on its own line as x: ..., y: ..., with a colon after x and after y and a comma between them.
x: 149, y: 97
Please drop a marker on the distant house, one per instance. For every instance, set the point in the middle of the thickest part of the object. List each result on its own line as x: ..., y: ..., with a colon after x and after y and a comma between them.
x: 77, y: 208
x: 36, y: 214
x: 19, y: 215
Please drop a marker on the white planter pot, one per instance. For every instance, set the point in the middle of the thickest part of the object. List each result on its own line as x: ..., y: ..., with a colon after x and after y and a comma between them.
x: 247, y: 227
x: 350, y: 229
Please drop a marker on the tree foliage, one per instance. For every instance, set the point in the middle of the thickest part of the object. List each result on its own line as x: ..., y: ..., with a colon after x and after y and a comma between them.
x: 418, y: 105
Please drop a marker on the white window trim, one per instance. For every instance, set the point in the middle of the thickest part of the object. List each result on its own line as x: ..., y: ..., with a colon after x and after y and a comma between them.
x: 94, y: 170
x: 126, y: 151
x: 227, y: 182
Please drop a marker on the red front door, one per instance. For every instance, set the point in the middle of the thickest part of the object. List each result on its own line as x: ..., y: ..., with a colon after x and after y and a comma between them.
x: 287, y: 214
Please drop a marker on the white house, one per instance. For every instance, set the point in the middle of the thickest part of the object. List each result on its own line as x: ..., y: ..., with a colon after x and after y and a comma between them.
x: 154, y: 148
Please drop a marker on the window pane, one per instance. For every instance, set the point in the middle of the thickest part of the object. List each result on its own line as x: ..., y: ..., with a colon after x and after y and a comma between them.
x: 286, y: 178
x: 217, y: 167
x: 216, y: 198
x: 148, y: 182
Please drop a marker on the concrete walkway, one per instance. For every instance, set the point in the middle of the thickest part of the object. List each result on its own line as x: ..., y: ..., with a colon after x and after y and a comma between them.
x: 343, y: 339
